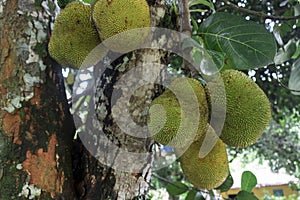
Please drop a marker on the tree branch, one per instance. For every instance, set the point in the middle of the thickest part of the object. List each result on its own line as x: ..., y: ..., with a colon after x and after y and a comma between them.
x: 184, y: 23
x: 259, y: 14
x: 184, y: 17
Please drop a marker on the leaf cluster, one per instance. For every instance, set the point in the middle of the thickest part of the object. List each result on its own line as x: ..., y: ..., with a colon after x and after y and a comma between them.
x: 227, y: 40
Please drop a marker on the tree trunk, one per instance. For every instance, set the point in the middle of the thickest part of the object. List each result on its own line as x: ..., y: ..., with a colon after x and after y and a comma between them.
x: 36, y: 128
x: 117, y: 164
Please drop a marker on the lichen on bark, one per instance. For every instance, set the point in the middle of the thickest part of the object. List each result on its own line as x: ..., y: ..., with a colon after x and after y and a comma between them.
x: 34, y: 110
x: 27, y: 42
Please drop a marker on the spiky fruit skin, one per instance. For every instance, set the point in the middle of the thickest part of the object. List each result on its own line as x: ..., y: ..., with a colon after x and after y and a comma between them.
x: 248, y: 110
x: 115, y: 17
x: 183, y: 108
x: 74, y: 36
x: 210, y: 171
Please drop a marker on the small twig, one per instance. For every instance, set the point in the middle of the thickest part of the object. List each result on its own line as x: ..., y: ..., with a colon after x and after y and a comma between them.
x: 259, y: 14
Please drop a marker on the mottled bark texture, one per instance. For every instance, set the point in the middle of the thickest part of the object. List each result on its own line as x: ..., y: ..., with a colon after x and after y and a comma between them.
x: 98, y: 180
x: 36, y: 128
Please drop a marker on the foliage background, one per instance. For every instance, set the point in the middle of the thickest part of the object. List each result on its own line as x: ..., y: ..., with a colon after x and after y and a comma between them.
x: 279, y: 144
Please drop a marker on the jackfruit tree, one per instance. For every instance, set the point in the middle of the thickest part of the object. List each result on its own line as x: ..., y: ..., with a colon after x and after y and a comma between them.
x: 136, y: 90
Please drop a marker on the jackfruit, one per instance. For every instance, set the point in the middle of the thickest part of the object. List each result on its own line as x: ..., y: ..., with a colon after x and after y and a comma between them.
x: 125, y: 20
x: 180, y: 114
x: 248, y: 109
x: 74, y: 36
x: 205, y: 172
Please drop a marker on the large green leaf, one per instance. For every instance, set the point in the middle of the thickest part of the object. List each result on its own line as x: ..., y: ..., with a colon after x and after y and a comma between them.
x: 294, y: 81
x: 249, y: 181
x: 177, y: 188
x: 247, y: 44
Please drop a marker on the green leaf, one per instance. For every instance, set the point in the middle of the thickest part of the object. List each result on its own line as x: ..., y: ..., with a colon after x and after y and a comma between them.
x: 297, y: 53
x: 175, y: 7
x: 244, y: 195
x: 176, y: 62
x: 194, y: 23
x: 219, y: 58
x: 249, y: 181
x: 177, y: 188
x: 286, y: 52
x: 202, y: 2
x: 247, y: 45
x: 194, y: 195
x: 191, y: 195
x: 62, y: 3
x: 226, y: 185
x: 294, y: 81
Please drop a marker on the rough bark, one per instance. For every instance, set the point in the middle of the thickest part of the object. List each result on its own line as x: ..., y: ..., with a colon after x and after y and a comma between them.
x: 129, y: 176
x: 36, y: 127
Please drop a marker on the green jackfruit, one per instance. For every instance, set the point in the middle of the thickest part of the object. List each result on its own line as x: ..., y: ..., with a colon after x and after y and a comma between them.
x: 74, y: 36
x: 179, y: 115
x: 205, y: 172
x: 115, y: 17
x: 248, y: 109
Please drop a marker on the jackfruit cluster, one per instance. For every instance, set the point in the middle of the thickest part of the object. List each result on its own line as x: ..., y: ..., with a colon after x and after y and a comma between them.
x: 74, y: 36
x: 79, y: 28
x: 248, y: 110
x: 205, y: 162
x: 122, y: 24
x: 172, y: 115
x: 171, y: 122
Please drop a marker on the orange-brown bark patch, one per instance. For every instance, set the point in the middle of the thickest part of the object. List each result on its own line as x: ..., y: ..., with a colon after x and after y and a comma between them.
x: 42, y: 168
x: 36, y: 99
x: 11, y: 126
